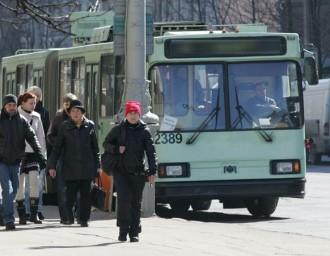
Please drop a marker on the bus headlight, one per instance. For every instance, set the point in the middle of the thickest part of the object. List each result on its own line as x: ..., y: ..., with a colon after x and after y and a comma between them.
x: 285, y: 166
x: 173, y: 170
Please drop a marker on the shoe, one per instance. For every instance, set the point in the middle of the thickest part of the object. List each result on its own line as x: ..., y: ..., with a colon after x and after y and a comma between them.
x: 33, y: 218
x: 84, y: 224
x: 22, y: 221
x: 134, y: 239
x: 122, y: 237
x: 67, y: 222
x: 10, y: 226
x: 41, y: 216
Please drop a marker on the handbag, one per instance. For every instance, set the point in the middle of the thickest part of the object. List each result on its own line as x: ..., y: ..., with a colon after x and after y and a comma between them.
x: 109, y: 162
x: 110, y: 159
x: 98, y: 195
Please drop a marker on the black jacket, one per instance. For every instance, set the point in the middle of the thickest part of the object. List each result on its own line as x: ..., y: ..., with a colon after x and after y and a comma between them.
x: 44, y: 114
x: 54, y: 128
x: 138, y: 141
x: 80, y: 154
x: 13, y: 133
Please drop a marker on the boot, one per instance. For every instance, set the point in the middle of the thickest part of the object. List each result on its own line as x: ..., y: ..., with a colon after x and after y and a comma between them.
x: 21, y: 212
x: 34, y: 210
x: 123, y: 234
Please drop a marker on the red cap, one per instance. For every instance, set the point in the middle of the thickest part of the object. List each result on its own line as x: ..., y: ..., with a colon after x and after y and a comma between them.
x: 133, y: 106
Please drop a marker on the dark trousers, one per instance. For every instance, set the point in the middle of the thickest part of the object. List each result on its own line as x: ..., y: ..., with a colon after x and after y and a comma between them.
x: 61, y: 192
x: 72, y: 189
x: 129, y: 195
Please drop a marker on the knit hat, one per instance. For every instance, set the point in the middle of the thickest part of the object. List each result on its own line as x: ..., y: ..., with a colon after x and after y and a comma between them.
x: 133, y: 106
x: 9, y: 98
x: 77, y: 104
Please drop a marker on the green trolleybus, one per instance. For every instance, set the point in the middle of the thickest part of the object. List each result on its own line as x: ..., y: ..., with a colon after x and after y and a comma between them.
x: 231, y: 117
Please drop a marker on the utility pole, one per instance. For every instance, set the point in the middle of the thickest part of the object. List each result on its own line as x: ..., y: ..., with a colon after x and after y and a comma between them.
x: 307, y: 22
x: 135, y: 15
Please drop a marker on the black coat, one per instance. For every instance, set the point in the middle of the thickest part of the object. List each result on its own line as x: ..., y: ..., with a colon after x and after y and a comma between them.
x: 54, y: 128
x: 80, y: 154
x: 13, y: 133
x: 138, y: 141
x: 44, y: 114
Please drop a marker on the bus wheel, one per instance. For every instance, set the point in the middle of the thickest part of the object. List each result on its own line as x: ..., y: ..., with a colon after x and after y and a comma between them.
x: 201, y: 204
x: 260, y: 207
x: 180, y: 206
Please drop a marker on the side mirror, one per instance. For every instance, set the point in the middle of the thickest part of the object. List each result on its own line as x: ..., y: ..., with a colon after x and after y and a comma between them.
x: 310, y: 71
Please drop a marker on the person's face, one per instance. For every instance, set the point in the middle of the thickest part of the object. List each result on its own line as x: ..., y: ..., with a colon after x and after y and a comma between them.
x: 29, y: 105
x: 261, y: 91
x: 66, y: 105
x: 133, y: 117
x: 11, y: 108
x: 76, y: 115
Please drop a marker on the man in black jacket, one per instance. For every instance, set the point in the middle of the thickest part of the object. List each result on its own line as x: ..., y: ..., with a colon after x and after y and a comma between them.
x: 53, y: 131
x: 14, y: 130
x: 131, y: 139
x: 81, y: 160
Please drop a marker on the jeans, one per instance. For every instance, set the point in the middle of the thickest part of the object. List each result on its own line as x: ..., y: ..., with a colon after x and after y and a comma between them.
x: 9, y: 184
x: 41, y: 184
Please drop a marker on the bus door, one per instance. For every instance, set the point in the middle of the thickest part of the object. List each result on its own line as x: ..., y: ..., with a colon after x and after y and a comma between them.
x: 92, y: 89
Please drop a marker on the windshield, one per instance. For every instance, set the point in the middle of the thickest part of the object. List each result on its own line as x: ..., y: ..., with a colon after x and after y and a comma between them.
x: 190, y: 97
x: 264, y: 95
x: 184, y: 95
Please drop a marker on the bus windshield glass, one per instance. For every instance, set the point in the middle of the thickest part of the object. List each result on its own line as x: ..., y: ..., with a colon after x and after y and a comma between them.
x: 264, y: 95
x: 260, y: 95
x: 185, y: 95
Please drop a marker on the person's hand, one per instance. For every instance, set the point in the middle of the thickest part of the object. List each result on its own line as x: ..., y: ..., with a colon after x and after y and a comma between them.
x: 52, y: 173
x: 43, y: 163
x: 151, y: 179
x: 122, y: 149
x: 99, y: 171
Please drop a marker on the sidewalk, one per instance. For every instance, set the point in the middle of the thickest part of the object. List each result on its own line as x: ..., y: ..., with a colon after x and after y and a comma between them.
x: 53, y: 238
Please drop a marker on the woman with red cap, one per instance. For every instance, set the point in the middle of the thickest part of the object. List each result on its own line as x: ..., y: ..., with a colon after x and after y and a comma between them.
x: 131, y: 139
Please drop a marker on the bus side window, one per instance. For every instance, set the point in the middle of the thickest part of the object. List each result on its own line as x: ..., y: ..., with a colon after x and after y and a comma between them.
x: 78, y: 78
x: 107, y: 86
x: 65, y: 78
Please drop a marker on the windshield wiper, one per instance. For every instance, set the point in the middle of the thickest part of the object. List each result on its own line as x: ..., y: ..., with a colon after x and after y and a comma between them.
x: 207, y: 120
x: 202, y: 126
x: 243, y: 114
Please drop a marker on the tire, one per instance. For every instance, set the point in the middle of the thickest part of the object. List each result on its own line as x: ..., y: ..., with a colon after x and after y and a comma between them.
x: 262, y: 207
x: 201, y: 204
x: 180, y: 206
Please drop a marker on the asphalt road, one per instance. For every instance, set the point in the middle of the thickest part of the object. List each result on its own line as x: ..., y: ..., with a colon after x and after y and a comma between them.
x: 298, y: 227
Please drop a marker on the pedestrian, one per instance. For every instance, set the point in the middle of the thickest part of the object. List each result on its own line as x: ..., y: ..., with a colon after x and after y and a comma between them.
x: 30, y: 167
x: 14, y: 131
x: 81, y: 160
x: 131, y: 139
x: 44, y: 114
x: 61, y: 116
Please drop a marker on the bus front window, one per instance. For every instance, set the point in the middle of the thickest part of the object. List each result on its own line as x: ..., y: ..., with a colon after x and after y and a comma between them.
x: 264, y: 95
x: 187, y: 94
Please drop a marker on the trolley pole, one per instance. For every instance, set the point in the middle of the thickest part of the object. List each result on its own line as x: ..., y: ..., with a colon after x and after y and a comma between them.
x: 136, y: 86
